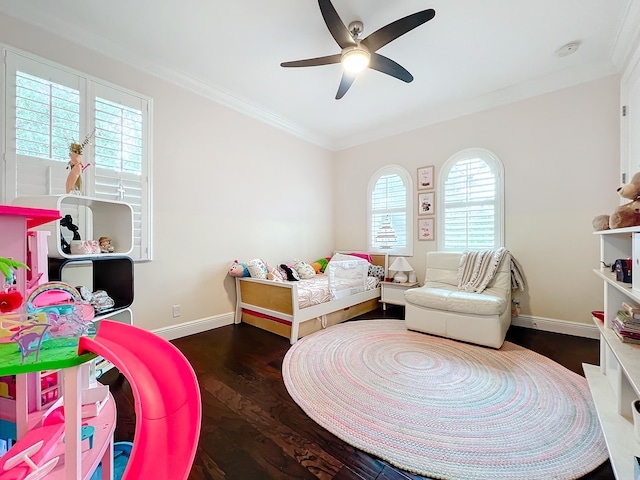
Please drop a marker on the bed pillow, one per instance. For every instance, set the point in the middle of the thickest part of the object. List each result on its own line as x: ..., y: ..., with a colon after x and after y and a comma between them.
x: 365, y: 256
x: 257, y: 269
x: 376, y: 271
x: 274, y: 274
x: 304, y: 269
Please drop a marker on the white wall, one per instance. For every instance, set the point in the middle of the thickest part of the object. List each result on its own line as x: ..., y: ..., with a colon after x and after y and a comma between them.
x: 225, y: 187
x: 561, y: 157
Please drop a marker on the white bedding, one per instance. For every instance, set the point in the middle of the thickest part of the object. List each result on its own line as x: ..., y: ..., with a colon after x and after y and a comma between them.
x: 315, y: 290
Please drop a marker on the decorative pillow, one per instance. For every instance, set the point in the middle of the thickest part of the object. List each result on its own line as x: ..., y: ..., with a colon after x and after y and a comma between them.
x: 376, y: 271
x: 304, y: 269
x: 257, y: 269
x: 289, y: 272
x: 274, y: 274
x: 365, y: 256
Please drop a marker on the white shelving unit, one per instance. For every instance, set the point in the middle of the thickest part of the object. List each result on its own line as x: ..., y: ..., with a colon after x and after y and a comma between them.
x: 111, y: 272
x: 616, y: 382
x: 94, y: 217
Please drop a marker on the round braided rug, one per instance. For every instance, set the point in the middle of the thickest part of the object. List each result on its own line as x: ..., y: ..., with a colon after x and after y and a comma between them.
x: 446, y: 409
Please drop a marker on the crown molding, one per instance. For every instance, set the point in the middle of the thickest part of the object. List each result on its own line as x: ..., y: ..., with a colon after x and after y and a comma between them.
x: 627, y: 41
x: 80, y: 35
x: 625, y: 51
x: 452, y: 110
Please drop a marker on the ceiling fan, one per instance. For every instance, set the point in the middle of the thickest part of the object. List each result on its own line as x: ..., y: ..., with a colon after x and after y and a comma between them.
x: 359, y: 54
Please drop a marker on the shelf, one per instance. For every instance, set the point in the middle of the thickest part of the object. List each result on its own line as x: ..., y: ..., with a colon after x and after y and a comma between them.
x: 615, y: 384
x: 94, y: 217
x: 617, y: 429
x: 626, y: 354
x: 618, y: 231
x: 113, y: 274
x: 625, y: 288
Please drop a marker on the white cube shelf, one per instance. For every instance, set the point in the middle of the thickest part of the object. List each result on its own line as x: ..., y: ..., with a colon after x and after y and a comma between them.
x: 94, y: 217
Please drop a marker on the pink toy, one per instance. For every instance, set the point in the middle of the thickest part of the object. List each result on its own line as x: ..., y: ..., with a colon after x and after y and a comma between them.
x: 26, y: 460
x: 164, y: 423
x: 238, y: 269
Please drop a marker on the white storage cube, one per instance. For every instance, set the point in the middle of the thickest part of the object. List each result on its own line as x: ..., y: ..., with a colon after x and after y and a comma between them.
x: 94, y: 217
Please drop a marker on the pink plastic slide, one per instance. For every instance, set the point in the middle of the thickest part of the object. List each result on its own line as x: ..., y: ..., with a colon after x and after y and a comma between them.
x: 166, y: 394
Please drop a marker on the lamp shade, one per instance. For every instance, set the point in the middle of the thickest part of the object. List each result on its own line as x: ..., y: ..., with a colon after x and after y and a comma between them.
x: 400, y: 265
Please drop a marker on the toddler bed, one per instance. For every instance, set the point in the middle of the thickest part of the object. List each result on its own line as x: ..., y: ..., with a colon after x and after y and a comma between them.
x: 293, y: 309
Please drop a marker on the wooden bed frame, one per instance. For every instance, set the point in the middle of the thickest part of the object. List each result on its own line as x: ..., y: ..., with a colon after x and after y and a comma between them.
x: 273, y: 306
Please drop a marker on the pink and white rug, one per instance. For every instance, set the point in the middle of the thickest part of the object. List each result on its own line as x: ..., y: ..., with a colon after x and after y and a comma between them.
x: 446, y: 409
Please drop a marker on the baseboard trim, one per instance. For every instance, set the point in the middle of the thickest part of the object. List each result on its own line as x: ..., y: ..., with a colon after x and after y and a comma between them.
x: 195, y: 326
x: 526, y: 321
x: 556, y: 326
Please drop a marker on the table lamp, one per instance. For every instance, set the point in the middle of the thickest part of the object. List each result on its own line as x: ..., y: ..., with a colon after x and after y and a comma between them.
x: 400, y: 266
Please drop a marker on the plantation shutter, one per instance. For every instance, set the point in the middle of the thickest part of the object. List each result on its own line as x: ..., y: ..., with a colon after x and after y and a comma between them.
x: 48, y: 107
x: 120, y: 142
x: 43, y: 117
x: 469, y: 204
x: 389, y: 225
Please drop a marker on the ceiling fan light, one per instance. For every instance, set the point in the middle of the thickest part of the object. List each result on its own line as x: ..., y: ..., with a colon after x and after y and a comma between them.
x: 355, y: 60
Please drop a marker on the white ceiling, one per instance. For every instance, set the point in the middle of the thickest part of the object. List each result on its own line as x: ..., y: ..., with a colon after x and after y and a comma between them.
x: 472, y: 55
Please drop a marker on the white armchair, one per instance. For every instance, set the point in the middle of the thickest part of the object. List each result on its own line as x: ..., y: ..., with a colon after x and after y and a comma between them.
x: 439, y: 308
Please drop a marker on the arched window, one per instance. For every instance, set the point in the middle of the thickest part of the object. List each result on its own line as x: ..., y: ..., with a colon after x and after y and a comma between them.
x: 390, y: 211
x: 471, y: 202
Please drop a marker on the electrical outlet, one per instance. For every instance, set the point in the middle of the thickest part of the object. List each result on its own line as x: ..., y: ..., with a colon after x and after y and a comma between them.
x: 177, y: 311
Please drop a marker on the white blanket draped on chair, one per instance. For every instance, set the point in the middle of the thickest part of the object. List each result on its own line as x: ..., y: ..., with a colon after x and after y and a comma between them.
x: 478, y: 267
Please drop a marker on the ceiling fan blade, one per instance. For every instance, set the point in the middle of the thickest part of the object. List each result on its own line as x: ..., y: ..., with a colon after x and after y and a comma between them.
x: 313, y: 62
x: 388, y: 33
x: 335, y: 25
x: 345, y: 83
x: 386, y: 65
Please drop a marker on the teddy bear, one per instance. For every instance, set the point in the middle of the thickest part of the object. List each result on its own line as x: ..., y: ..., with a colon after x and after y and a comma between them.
x: 238, y: 269
x: 627, y: 215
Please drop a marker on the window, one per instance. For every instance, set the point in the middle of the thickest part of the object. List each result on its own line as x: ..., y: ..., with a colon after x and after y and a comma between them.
x: 390, y: 214
x: 47, y: 107
x: 470, y: 189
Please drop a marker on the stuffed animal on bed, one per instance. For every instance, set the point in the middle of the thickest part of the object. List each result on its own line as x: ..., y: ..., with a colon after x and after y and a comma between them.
x: 289, y: 272
x: 320, y: 265
x: 238, y: 269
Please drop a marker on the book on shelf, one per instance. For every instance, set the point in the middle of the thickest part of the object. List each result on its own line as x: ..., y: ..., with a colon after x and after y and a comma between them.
x: 625, y: 327
x: 624, y: 317
x: 626, y: 338
x: 634, y: 310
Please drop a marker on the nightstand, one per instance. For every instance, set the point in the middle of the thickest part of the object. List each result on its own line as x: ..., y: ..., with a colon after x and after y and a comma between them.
x: 393, y: 292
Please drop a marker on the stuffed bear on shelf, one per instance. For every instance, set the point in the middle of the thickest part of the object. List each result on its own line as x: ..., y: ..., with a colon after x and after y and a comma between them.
x: 627, y: 215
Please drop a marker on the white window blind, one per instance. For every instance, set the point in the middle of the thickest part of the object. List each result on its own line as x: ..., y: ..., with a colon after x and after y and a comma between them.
x: 119, y: 167
x: 471, y: 210
x: 390, y: 212
x: 54, y: 106
x: 47, y: 117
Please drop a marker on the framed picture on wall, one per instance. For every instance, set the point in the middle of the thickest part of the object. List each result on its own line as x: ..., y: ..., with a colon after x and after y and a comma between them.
x: 426, y: 229
x: 425, y: 178
x: 425, y: 203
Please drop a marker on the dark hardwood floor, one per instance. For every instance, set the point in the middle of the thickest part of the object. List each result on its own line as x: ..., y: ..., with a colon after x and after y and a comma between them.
x: 252, y: 429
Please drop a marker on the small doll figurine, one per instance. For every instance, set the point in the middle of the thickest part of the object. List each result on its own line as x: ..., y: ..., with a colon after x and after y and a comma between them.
x: 74, y: 182
x: 105, y: 245
x: 73, y: 179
